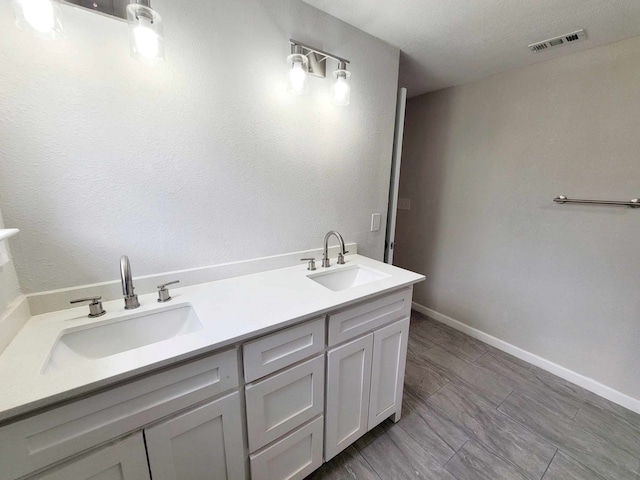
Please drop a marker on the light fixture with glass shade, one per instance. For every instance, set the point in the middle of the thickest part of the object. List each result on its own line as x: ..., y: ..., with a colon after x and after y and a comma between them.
x: 40, y: 17
x: 305, y: 60
x: 145, y: 33
x: 298, y: 83
x: 341, y: 85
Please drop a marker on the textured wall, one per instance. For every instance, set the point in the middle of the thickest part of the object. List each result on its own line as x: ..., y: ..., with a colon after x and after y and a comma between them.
x: 205, y: 160
x: 482, y: 164
x: 9, y: 287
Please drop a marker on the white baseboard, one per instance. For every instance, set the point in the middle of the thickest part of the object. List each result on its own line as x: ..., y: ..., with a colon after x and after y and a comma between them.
x: 569, y: 375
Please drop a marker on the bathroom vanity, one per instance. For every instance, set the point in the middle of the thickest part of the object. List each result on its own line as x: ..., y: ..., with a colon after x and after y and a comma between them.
x: 264, y: 376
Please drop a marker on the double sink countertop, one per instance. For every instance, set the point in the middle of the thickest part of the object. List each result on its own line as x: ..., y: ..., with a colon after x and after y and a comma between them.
x: 229, y: 311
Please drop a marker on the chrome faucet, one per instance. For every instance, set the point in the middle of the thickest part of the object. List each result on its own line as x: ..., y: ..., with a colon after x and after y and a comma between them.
x: 325, y: 257
x: 130, y: 298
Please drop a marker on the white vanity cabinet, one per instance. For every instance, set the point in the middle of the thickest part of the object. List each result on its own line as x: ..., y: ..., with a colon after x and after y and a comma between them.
x: 280, y: 404
x: 365, y: 377
x: 285, y: 403
x: 49, y: 438
x: 205, y: 442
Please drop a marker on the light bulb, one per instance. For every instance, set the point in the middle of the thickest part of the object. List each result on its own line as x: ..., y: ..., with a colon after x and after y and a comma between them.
x: 341, y: 90
x: 41, y: 17
x: 298, y: 77
x: 298, y: 63
x: 341, y: 87
x: 39, y: 14
x: 145, y: 33
x: 146, y: 41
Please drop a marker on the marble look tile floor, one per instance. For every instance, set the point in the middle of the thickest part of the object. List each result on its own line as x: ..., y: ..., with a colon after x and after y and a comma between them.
x: 472, y: 412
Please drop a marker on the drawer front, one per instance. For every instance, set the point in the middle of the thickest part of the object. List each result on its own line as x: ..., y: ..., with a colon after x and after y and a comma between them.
x: 368, y: 316
x: 281, y: 349
x: 43, y: 439
x: 284, y: 401
x: 292, y: 458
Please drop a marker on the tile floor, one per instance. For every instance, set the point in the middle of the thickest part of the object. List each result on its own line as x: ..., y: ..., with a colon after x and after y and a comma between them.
x: 472, y: 412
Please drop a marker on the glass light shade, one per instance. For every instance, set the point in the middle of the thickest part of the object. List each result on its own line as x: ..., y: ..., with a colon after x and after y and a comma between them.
x: 145, y: 34
x: 341, y: 87
x: 298, y: 83
x: 40, y: 17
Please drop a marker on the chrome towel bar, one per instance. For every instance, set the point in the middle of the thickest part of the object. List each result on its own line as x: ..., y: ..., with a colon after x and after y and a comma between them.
x: 635, y: 203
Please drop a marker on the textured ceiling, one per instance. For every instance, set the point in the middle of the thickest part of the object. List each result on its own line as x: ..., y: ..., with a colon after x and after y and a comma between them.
x: 452, y: 42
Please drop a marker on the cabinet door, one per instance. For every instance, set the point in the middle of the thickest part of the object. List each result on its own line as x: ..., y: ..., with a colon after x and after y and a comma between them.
x: 348, y: 383
x: 125, y: 460
x: 203, y: 443
x: 387, y: 372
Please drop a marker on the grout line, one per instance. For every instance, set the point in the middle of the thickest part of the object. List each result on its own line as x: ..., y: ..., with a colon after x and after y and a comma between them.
x: 441, y: 387
x: 367, y: 462
x: 545, y: 470
x: 445, y: 465
x: 507, y: 397
x: 576, y: 414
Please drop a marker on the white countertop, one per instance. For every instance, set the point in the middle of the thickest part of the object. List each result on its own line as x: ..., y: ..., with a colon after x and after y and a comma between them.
x: 231, y: 311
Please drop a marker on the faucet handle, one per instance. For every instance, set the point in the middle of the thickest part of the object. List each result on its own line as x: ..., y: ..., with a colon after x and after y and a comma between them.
x: 95, y: 307
x: 312, y: 263
x: 341, y: 258
x: 163, y: 292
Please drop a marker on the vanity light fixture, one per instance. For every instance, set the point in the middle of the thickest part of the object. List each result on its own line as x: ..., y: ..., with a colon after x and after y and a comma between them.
x: 40, y: 17
x: 298, y: 83
x: 341, y: 85
x: 305, y: 60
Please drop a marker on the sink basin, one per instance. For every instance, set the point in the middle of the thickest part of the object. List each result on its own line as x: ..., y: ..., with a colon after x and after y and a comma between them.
x: 347, y: 277
x: 112, y: 337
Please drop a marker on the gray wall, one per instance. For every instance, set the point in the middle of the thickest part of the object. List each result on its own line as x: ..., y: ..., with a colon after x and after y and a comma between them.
x: 202, y: 161
x: 482, y: 163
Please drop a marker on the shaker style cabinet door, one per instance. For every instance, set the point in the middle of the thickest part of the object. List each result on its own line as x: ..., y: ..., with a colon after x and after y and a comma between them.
x: 348, y: 383
x: 125, y: 460
x: 203, y: 443
x: 387, y: 372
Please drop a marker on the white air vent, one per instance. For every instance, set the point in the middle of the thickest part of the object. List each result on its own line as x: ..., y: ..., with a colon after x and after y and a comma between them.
x: 558, y: 41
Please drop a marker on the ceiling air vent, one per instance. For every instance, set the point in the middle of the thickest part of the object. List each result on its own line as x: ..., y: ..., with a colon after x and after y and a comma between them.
x: 558, y: 41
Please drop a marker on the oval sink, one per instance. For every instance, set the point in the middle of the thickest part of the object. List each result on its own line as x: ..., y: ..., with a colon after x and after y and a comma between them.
x: 128, y: 333
x: 347, y: 277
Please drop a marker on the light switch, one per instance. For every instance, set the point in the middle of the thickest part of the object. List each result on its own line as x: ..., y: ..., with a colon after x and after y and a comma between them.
x: 404, y: 204
x: 375, y: 222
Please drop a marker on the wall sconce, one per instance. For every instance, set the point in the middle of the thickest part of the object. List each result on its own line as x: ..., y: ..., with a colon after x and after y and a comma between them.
x: 305, y: 60
x: 42, y: 17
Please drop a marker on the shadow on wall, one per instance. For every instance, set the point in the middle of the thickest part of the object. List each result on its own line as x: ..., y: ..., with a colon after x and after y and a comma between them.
x: 425, y: 156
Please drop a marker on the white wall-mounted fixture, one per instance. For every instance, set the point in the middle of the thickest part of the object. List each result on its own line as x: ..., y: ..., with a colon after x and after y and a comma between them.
x: 305, y: 60
x: 43, y: 18
x: 40, y: 17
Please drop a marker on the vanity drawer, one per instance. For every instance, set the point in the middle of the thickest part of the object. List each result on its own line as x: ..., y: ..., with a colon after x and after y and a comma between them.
x: 368, y: 316
x: 46, y: 438
x: 284, y: 401
x: 294, y: 457
x: 281, y: 349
